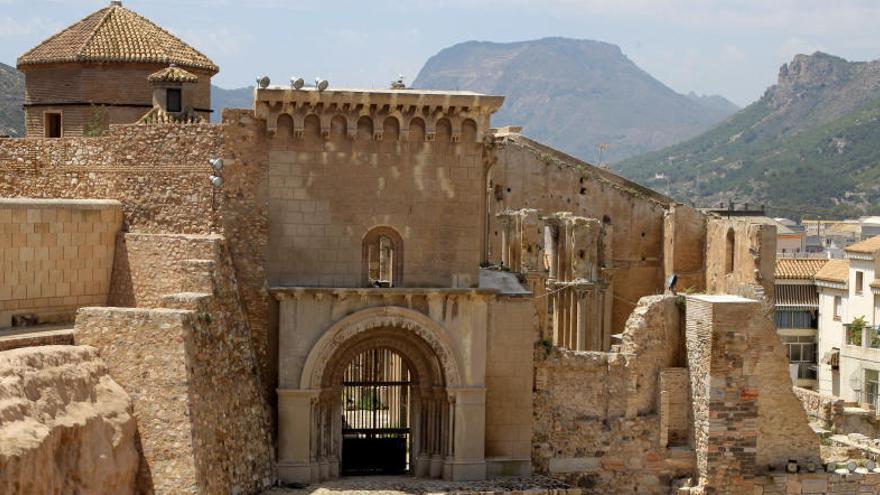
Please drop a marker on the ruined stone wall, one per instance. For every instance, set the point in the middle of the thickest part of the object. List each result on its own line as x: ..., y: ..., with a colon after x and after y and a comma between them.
x: 56, y: 256
x: 754, y: 258
x: 526, y: 174
x: 746, y: 416
x: 66, y: 426
x: 817, y: 483
x: 510, y: 345
x: 684, y: 247
x: 598, y: 421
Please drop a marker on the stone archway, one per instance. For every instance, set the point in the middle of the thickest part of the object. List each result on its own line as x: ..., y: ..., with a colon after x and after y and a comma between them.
x: 444, y: 417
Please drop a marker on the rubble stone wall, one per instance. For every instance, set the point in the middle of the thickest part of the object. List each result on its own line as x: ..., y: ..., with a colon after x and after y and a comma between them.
x: 66, y: 425
x: 596, y: 414
x: 56, y: 256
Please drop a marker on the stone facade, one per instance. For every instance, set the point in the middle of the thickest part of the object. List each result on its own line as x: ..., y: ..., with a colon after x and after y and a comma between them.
x: 56, y: 257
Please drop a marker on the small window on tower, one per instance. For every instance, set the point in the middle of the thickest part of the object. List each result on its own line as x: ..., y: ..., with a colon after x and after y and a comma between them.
x: 173, y: 103
x: 52, y: 125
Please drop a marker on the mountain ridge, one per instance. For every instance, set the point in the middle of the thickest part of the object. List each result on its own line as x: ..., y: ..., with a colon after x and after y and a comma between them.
x: 574, y: 94
x: 11, y: 101
x: 807, y: 146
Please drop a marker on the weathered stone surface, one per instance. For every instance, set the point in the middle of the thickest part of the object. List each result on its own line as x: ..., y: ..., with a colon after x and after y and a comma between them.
x: 65, y: 425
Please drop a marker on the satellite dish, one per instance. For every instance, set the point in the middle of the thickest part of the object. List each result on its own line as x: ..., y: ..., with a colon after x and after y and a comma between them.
x: 263, y: 82
x: 321, y: 84
x: 854, y: 383
x: 297, y: 82
x: 216, y: 164
x: 216, y: 181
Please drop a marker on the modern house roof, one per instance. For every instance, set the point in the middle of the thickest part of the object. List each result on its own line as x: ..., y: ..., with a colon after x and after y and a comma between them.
x: 116, y: 34
x: 798, y: 268
x: 834, y: 271
x: 868, y: 246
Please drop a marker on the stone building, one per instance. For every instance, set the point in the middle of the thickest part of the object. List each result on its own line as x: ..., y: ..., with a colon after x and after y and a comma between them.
x: 95, y: 73
x: 382, y: 283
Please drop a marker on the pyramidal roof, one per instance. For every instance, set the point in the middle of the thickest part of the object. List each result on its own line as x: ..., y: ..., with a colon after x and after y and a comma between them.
x: 116, y: 34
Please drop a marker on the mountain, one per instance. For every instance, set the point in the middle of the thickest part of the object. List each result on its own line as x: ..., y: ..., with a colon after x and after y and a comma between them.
x: 11, y: 99
x: 575, y: 94
x: 230, y: 98
x: 809, y: 145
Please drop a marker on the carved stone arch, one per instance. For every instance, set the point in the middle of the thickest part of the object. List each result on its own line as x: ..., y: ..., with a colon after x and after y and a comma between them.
x: 365, y: 128
x: 417, y: 130
x: 284, y: 128
x: 391, y: 127
x: 469, y: 130
x: 410, y: 322
x: 443, y: 130
x: 312, y: 128
x: 417, y: 354
x: 338, y: 127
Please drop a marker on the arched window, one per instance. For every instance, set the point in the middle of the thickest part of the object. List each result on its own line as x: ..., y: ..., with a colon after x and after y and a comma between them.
x: 730, y: 252
x: 383, y: 258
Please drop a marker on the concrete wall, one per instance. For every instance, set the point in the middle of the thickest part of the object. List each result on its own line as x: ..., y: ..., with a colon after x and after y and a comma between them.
x: 526, y: 174
x: 830, y: 336
x: 56, y: 256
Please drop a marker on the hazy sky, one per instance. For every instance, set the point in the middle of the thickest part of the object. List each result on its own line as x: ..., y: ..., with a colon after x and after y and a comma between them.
x: 728, y: 47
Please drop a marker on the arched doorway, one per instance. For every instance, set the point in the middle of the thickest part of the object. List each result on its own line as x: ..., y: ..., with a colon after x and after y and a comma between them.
x: 440, y: 418
x: 376, y: 414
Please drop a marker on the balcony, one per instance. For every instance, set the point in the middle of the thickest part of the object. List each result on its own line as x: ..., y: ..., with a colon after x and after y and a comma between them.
x: 862, y: 335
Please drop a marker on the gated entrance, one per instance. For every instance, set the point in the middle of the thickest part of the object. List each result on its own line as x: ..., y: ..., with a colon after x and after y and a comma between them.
x: 376, y: 414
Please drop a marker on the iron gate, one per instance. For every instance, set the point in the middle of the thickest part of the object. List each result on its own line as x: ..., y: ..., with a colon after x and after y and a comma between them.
x: 376, y: 414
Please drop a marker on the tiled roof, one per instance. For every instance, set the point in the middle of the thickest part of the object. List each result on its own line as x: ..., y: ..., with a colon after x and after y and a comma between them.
x: 868, y: 246
x: 834, y: 271
x: 798, y: 268
x: 116, y: 34
x: 173, y: 74
x: 797, y: 296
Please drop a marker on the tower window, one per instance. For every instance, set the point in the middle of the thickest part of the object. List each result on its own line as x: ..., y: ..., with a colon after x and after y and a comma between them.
x: 173, y: 100
x: 52, y: 125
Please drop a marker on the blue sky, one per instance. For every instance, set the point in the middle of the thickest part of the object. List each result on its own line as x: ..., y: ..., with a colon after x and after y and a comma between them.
x: 728, y: 47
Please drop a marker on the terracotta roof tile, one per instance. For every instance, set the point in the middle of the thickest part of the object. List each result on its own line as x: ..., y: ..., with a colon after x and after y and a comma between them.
x: 173, y: 74
x: 116, y: 34
x: 797, y: 296
x: 834, y: 271
x: 798, y: 268
x: 868, y: 246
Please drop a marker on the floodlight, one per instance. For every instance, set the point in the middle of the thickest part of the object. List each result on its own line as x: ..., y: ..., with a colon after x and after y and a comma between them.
x: 216, y: 164
x: 297, y: 82
x: 263, y: 82
x: 321, y: 84
x: 216, y: 181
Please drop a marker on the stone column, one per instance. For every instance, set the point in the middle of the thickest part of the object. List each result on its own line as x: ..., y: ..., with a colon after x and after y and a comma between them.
x: 295, y: 435
x: 582, y: 317
x: 470, y: 434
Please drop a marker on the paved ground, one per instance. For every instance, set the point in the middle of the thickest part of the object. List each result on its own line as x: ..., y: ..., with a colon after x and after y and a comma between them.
x: 398, y: 485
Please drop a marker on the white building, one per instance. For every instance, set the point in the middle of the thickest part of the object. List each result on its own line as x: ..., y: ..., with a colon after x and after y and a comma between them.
x: 849, y: 344
x: 797, y: 316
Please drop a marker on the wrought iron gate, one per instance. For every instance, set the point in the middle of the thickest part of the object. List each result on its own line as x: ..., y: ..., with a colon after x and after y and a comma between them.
x: 376, y: 399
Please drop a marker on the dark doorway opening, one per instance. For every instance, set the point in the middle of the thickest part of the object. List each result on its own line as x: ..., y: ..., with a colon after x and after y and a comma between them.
x: 53, y: 125
x: 376, y: 410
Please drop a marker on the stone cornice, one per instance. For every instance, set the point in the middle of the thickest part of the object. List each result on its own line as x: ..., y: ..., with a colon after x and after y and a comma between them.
x: 291, y: 292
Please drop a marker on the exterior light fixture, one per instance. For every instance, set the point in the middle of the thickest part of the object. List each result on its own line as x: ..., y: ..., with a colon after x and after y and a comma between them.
x: 263, y: 82
x: 216, y: 164
x: 216, y: 180
x: 297, y: 82
x: 321, y: 84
